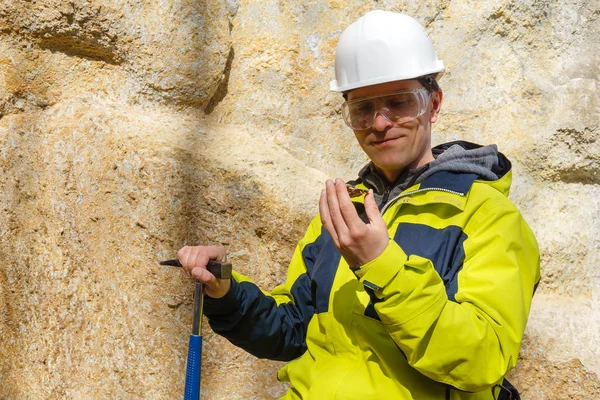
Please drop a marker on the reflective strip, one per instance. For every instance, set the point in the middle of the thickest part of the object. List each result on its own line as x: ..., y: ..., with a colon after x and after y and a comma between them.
x: 371, y: 286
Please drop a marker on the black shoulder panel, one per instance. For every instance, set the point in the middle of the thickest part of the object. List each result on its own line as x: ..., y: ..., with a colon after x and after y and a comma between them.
x: 321, y: 259
x: 443, y: 247
x: 457, y: 182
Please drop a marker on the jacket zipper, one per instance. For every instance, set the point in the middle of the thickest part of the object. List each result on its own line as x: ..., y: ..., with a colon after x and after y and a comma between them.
x: 386, y: 195
x: 388, y: 204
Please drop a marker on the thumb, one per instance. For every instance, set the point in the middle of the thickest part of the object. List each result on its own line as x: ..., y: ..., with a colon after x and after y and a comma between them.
x: 371, y: 207
x: 203, y: 276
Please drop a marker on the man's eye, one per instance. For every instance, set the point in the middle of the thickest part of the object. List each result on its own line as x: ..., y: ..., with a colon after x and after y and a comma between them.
x: 400, y: 101
x: 362, y: 108
x: 397, y: 104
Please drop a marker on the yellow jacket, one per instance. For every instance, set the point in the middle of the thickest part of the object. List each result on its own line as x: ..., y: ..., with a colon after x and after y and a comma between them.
x: 440, y: 314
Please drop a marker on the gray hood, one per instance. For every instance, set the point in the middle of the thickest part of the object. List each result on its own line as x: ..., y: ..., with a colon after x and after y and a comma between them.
x: 458, y: 157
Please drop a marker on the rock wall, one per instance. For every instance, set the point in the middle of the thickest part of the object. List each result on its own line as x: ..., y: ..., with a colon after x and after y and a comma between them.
x: 129, y: 129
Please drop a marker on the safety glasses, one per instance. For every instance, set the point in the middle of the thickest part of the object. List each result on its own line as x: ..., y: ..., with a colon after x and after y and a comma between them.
x: 397, y: 107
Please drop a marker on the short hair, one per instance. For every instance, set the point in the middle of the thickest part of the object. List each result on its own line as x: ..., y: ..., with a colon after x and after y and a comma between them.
x: 429, y: 83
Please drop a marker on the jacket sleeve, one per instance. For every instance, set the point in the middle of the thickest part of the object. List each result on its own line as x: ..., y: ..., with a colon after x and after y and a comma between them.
x: 472, y: 342
x: 268, y: 325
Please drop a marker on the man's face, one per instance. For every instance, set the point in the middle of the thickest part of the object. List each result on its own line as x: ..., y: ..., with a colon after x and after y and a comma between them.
x: 393, y: 147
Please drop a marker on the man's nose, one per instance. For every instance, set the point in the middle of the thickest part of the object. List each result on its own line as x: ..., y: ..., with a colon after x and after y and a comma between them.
x: 381, y: 122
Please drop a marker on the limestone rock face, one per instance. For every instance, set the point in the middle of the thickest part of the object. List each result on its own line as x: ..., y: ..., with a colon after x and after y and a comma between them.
x: 129, y: 129
x: 172, y: 52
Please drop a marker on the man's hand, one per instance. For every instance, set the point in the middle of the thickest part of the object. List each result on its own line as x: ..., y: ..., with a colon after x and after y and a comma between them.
x: 193, y: 259
x: 356, y: 241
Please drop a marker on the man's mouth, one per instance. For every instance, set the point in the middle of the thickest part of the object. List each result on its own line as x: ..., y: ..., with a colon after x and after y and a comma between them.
x: 385, y: 141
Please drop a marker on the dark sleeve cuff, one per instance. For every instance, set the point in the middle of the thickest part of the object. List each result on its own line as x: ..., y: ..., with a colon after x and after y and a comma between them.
x: 224, y: 305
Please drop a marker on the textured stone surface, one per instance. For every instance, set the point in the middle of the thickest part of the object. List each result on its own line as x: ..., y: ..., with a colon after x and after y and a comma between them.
x: 541, y: 378
x: 173, y: 52
x: 82, y: 235
x: 128, y: 129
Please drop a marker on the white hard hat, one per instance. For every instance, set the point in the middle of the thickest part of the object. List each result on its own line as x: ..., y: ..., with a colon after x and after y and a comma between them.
x: 383, y: 46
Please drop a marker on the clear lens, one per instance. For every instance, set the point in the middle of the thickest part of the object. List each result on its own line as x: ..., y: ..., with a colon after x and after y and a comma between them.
x: 398, y: 108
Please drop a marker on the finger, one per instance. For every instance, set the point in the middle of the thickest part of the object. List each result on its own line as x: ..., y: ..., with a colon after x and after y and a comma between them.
x: 199, y: 260
x: 203, y: 275
x: 184, y: 255
x: 371, y: 209
x: 334, y: 209
x: 326, y: 218
x: 189, y: 256
x: 214, y: 253
x: 347, y: 209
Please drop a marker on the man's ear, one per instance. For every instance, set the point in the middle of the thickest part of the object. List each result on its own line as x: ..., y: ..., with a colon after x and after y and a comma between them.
x: 436, y: 105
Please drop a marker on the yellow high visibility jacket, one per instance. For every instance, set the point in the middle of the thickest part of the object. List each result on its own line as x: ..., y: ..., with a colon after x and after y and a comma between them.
x: 440, y: 314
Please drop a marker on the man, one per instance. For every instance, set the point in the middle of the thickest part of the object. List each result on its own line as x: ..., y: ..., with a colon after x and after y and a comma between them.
x: 419, y: 289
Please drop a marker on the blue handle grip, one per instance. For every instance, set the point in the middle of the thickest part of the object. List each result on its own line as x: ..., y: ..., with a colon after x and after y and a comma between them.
x: 192, y: 374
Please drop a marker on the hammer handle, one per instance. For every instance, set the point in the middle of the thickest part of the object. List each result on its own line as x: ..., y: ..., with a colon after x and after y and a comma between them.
x: 193, y: 368
x: 221, y: 270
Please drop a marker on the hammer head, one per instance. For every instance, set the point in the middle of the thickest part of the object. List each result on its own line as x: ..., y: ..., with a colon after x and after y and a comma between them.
x: 221, y: 270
